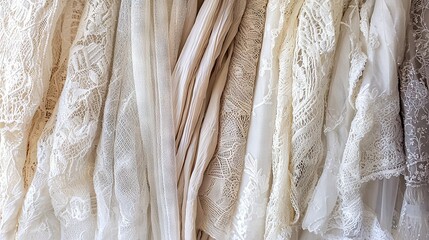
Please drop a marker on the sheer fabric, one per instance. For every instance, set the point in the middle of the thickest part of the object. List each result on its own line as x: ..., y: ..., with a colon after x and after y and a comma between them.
x: 152, y: 78
x: 414, y: 218
x: 23, y: 84
x: 120, y: 174
x: 369, y: 129
x: 249, y: 215
x: 37, y: 209
x: 219, y: 187
x: 221, y: 119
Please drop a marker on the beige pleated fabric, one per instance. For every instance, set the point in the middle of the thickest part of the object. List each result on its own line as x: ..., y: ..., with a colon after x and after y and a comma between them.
x: 196, y: 147
x: 219, y: 188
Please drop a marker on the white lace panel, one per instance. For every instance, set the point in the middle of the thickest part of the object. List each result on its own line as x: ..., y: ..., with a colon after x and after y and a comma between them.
x: 374, y: 146
x: 65, y: 33
x: 219, y: 189
x: 248, y: 221
x: 318, y: 30
x: 280, y: 213
x: 414, y: 76
x: 37, y: 220
x: 26, y: 35
x: 348, y: 66
x: 78, y: 119
x: 414, y: 73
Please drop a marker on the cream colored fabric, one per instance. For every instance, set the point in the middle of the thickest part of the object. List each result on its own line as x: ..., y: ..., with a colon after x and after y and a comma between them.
x: 219, y: 187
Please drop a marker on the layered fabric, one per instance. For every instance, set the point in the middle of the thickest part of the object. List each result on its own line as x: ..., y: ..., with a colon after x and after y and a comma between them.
x: 413, y: 221
x: 220, y: 119
x: 219, y: 188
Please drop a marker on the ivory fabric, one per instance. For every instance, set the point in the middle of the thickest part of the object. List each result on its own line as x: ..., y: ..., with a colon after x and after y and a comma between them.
x: 219, y: 187
x: 414, y: 215
x: 220, y: 119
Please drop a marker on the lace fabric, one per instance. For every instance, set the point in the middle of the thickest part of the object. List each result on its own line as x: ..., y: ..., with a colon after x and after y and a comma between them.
x: 219, y: 188
x: 26, y: 33
x: 319, y: 25
x: 372, y: 143
x: 280, y: 213
x: 249, y: 214
x: 414, y: 218
x: 339, y: 115
x: 77, y: 121
x: 65, y: 33
x: 37, y: 209
x: 120, y: 175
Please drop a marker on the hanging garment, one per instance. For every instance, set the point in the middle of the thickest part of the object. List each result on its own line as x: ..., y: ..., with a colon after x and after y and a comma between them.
x: 219, y: 189
x: 152, y: 79
x: 319, y: 28
x: 37, y: 208
x: 120, y: 173
x: 26, y: 34
x: 373, y: 144
x: 249, y: 214
x: 413, y: 222
x: 280, y: 213
x: 209, y: 127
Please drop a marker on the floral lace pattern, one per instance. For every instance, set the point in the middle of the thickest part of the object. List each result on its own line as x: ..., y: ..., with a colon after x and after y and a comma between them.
x: 279, y: 209
x: 26, y: 34
x: 249, y: 215
x: 367, y: 126
x: 77, y: 122
x: 413, y: 222
x: 414, y: 75
x: 219, y: 190
x: 319, y: 25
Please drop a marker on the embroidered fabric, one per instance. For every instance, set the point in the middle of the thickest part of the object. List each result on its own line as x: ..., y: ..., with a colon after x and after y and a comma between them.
x: 249, y: 215
x: 362, y: 116
x: 37, y: 220
x: 414, y: 218
x: 26, y: 34
x: 280, y: 214
x: 318, y: 27
x: 65, y: 33
x: 219, y: 190
x: 76, y: 125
